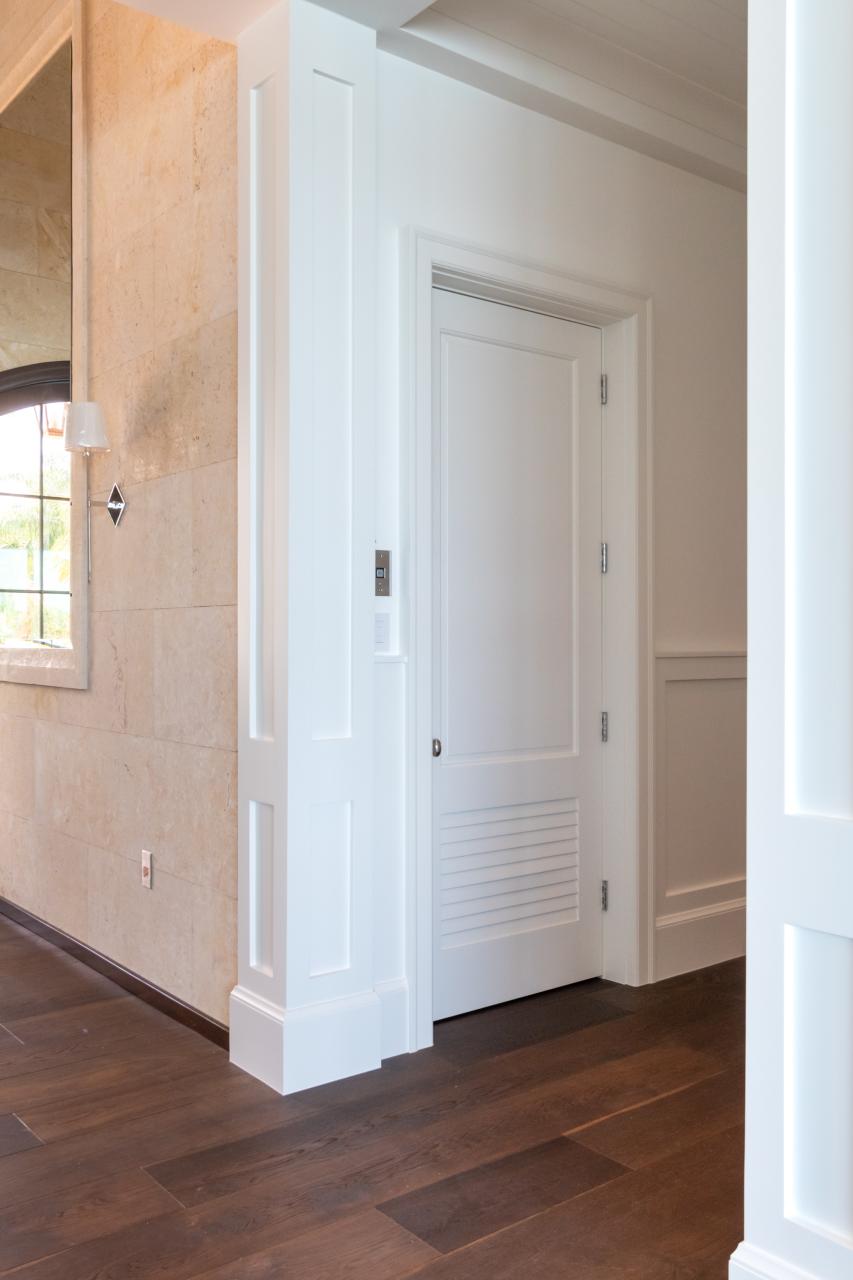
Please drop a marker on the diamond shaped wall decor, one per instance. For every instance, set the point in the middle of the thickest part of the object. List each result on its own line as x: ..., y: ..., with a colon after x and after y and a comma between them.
x: 116, y: 504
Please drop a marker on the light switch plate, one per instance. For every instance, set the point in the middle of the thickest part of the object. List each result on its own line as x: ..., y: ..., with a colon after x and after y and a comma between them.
x: 383, y: 573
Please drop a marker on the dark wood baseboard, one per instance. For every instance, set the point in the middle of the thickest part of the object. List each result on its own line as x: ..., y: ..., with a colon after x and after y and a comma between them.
x: 124, y: 978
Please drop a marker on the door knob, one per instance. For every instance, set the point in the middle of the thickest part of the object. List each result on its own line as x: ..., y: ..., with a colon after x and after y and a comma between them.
x: 436, y: 747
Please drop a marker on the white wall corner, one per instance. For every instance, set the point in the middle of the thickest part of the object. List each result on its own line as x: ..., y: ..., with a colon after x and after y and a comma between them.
x: 750, y: 1263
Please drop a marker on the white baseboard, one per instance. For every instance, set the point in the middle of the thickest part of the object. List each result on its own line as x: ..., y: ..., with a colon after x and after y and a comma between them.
x: 256, y: 1035
x: 749, y: 1263
x: 394, y: 1000
x: 695, y: 939
x: 295, y: 1049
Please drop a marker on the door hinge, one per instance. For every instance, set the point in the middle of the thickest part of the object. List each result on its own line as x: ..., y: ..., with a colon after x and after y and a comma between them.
x: 605, y: 894
x: 605, y: 726
x: 604, y: 388
x: 604, y: 553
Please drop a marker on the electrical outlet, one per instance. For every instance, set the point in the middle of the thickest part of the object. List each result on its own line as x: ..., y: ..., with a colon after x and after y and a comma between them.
x: 146, y: 869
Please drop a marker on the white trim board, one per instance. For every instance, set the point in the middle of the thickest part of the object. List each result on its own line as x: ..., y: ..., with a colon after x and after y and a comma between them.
x: 749, y: 1263
x: 698, y: 920
x: 626, y: 321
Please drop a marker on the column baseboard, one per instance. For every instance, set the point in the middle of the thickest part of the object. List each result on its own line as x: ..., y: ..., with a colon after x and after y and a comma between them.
x: 394, y: 1000
x: 295, y: 1049
x: 257, y: 1037
x: 750, y: 1263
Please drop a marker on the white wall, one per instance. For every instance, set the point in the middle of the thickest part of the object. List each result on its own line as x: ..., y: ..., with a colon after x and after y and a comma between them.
x: 465, y: 165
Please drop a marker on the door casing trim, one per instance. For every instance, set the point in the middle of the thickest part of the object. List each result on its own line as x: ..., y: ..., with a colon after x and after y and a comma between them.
x: 625, y: 319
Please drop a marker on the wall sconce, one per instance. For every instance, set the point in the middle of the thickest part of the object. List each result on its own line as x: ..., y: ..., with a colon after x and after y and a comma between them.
x: 86, y: 432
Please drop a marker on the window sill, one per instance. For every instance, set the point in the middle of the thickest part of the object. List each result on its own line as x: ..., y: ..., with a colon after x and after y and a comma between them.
x: 59, y: 668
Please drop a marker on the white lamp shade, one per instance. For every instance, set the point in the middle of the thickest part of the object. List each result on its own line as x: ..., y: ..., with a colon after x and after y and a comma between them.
x: 85, y: 429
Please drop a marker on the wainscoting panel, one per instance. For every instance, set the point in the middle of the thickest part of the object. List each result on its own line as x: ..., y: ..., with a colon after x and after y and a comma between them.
x: 700, y: 811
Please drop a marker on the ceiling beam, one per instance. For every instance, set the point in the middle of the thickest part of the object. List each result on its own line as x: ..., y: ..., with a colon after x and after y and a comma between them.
x: 458, y: 51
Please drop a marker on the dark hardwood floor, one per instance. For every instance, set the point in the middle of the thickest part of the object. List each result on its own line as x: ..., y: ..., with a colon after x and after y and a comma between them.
x: 592, y: 1133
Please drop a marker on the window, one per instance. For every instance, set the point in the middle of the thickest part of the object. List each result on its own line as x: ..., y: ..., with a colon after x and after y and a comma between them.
x: 35, y: 510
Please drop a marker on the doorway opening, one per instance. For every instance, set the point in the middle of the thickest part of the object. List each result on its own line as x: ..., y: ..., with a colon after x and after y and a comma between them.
x: 501, y: 774
x: 518, y: 584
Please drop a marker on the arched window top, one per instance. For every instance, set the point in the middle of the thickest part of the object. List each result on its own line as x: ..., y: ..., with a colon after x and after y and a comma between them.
x: 34, y: 384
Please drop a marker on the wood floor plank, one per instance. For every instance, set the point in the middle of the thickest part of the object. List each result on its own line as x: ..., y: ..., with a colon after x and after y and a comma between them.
x: 703, y: 984
x: 538, y: 1062
x: 204, y: 1174
x: 442, y: 1134
x: 46, y: 1226
x: 115, y: 1017
x: 458, y: 1210
x: 489, y: 1032
x: 116, y: 1026
x: 658, y: 1223
x: 657, y: 1129
x: 365, y: 1247
x: 15, y: 1136
x: 83, y: 1095
x: 316, y: 1187
x: 721, y: 1033
x: 40, y: 983
x: 234, y: 1107
x: 168, y: 1082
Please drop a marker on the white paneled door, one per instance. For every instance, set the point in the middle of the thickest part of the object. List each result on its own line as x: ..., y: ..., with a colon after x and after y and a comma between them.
x: 517, y: 650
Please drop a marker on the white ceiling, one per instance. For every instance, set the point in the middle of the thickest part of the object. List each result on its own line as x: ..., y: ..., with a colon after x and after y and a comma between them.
x: 702, y: 41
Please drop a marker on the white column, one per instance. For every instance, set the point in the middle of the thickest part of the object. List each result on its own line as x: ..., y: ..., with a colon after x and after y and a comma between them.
x: 305, y: 1010
x: 799, y: 1163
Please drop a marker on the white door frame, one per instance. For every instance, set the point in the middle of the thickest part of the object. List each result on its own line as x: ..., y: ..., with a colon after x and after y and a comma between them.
x: 626, y: 322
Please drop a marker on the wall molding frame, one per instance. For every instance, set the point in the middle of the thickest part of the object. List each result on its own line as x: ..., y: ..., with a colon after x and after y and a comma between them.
x: 626, y: 322
x: 699, y: 923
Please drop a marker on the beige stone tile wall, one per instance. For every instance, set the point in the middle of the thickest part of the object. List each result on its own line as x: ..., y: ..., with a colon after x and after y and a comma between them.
x: 146, y: 757
x: 35, y: 219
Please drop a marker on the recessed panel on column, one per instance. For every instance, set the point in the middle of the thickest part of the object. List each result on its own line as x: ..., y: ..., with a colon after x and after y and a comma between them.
x: 819, y: 408
x: 261, y: 863
x: 332, y: 382
x: 818, y: 1074
x: 262, y: 406
x: 331, y: 887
